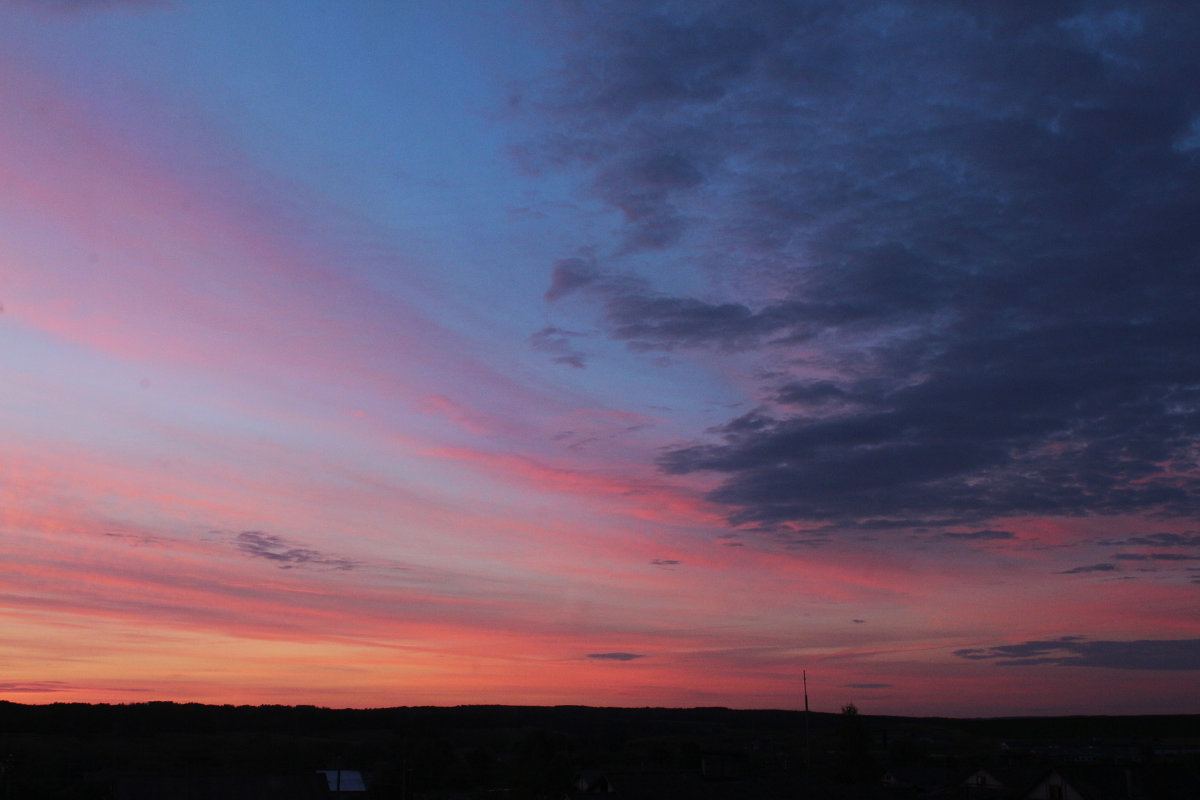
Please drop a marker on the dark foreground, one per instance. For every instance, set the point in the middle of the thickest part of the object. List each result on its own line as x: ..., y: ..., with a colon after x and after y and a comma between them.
x: 150, y: 751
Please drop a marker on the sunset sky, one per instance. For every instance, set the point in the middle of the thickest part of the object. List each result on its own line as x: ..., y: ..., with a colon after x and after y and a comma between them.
x: 383, y: 352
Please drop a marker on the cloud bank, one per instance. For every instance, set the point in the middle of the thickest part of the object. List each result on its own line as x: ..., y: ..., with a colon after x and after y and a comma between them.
x: 956, y: 236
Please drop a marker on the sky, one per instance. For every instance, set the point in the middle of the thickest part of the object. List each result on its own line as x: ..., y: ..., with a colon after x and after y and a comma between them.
x: 366, y: 353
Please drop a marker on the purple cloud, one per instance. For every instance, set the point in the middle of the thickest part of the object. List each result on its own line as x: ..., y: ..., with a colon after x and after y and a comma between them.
x: 615, y: 656
x: 1090, y: 568
x: 1076, y: 651
x: 286, y: 554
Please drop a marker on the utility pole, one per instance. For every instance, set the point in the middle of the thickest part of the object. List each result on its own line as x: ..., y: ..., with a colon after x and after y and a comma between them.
x: 807, y: 744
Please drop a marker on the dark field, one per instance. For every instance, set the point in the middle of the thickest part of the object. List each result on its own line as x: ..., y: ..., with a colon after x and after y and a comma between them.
x: 196, y: 752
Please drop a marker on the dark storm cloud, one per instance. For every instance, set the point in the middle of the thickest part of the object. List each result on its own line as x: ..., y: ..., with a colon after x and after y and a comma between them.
x: 1076, y: 651
x: 812, y: 393
x: 1091, y: 568
x: 984, y: 535
x: 1157, y: 540
x: 570, y: 274
x: 642, y: 189
x: 557, y: 343
x: 666, y: 562
x: 977, y: 218
x: 285, y: 553
x: 615, y: 656
x: 1155, y: 557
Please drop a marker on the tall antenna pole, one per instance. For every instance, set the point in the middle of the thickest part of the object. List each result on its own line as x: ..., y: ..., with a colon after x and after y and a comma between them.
x: 807, y: 746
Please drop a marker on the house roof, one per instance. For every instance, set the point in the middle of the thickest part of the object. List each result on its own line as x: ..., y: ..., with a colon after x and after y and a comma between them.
x: 344, y: 780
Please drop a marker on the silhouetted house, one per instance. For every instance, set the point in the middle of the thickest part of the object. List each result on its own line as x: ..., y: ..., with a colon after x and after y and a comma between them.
x: 1111, y: 781
x: 917, y: 779
x: 1078, y: 783
x: 985, y: 780
x: 1000, y: 782
x: 344, y: 781
x: 592, y: 782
